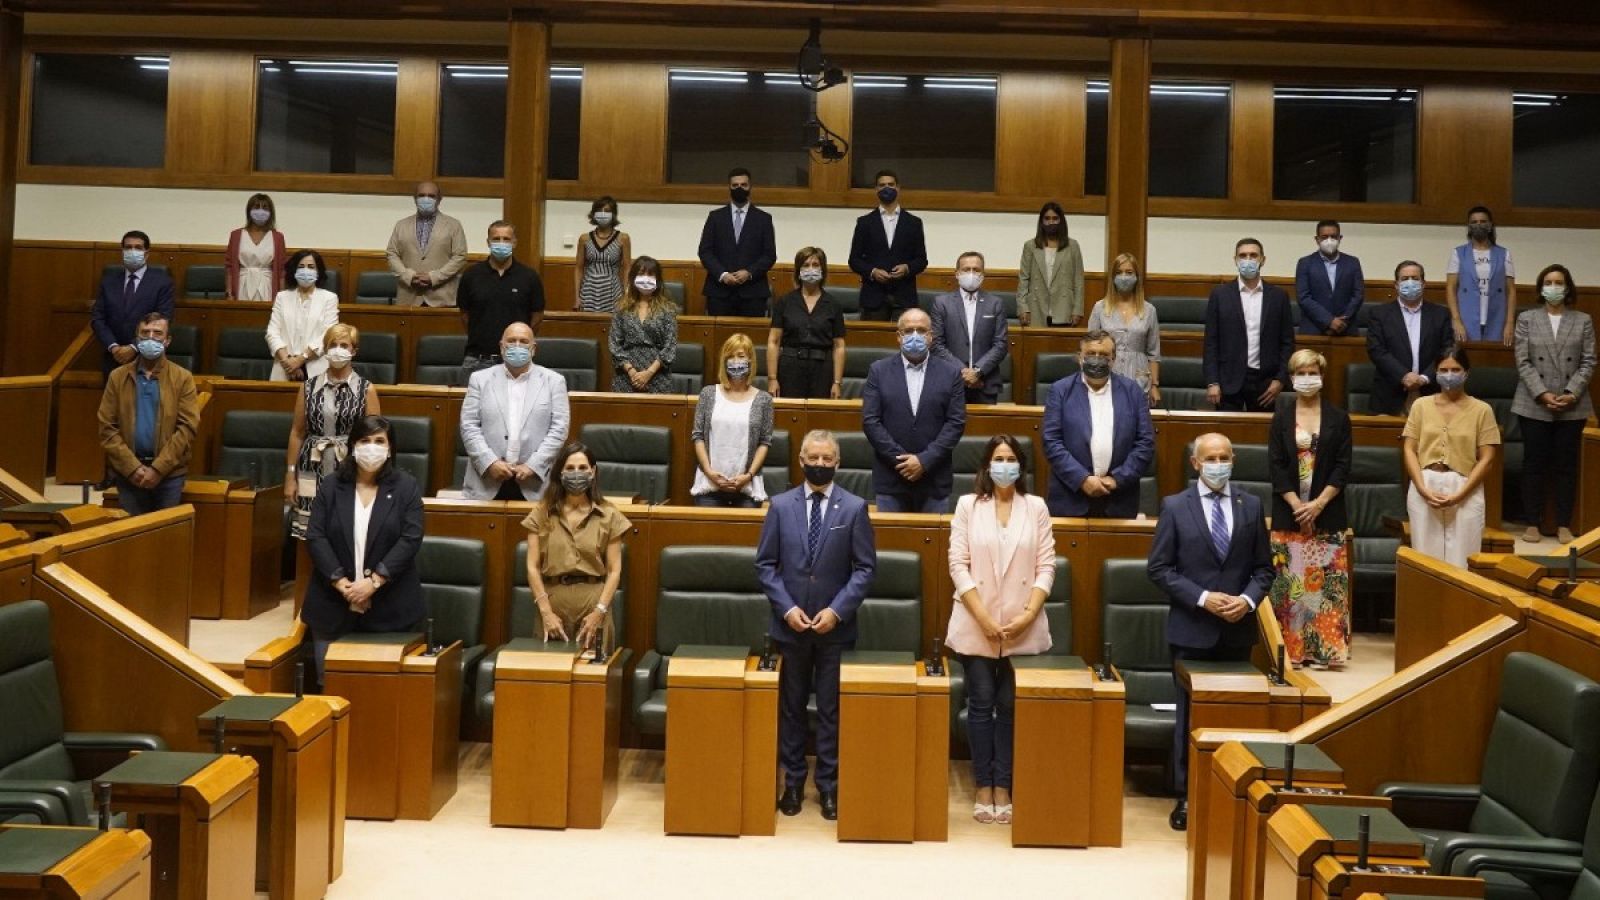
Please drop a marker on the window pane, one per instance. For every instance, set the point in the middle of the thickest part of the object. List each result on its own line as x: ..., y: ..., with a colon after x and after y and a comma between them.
x: 934, y: 131
x: 1189, y: 126
x: 1555, y: 150
x: 1354, y: 145
x: 771, y: 109
x: 566, y: 104
x: 472, y: 120
x: 325, y: 116
x: 1096, y: 127
x: 99, y: 111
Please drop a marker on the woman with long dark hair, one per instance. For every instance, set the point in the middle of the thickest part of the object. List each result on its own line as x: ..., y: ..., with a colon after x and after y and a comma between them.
x: 575, y: 552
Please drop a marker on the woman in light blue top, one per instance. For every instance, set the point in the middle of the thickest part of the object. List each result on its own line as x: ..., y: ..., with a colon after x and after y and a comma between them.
x: 1131, y: 321
x: 1483, y: 303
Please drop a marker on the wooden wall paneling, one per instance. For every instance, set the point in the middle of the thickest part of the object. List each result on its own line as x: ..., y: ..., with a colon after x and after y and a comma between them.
x: 78, y: 457
x: 10, y: 145
x: 144, y: 563
x: 560, y: 283
x: 210, y: 111
x: 527, y: 129
x: 25, y: 408
x: 1564, y: 636
x: 41, y: 279
x: 624, y: 124
x: 416, y: 119
x: 1040, y: 135
x: 1128, y: 149
x: 1464, y: 149
x: 1250, y: 143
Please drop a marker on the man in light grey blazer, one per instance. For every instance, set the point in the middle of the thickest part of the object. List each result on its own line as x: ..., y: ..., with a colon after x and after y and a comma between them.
x: 427, y: 250
x: 969, y: 329
x: 513, y: 422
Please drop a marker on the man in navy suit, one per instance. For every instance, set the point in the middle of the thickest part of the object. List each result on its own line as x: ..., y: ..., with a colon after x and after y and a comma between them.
x: 1212, y: 559
x: 1249, y: 336
x: 913, y: 410
x: 1404, y: 338
x: 969, y: 329
x: 1097, y: 436
x: 737, y: 248
x: 888, y: 252
x: 815, y: 558
x: 1330, y: 286
x: 125, y: 298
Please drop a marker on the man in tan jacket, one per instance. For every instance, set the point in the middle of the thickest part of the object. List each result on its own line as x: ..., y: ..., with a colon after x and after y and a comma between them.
x: 426, y: 252
x: 148, y: 416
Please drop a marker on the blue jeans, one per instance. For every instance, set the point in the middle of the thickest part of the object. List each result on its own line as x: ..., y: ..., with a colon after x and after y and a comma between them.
x: 725, y: 500
x: 991, y: 698
x: 911, y: 503
x: 137, y: 501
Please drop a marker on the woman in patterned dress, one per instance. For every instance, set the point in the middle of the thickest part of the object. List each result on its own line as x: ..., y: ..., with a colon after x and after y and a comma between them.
x: 644, y: 334
x: 603, y: 255
x: 1309, y: 457
x: 325, y: 410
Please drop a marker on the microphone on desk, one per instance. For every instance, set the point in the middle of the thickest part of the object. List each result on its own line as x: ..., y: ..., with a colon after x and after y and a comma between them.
x: 935, y: 664
x: 1103, y: 671
x: 86, y: 486
x: 1572, y: 564
x: 1288, y: 768
x: 299, y: 679
x: 102, y: 791
x: 1278, y: 672
x: 768, y: 651
x: 1363, y: 843
x: 433, y: 647
x: 219, y: 731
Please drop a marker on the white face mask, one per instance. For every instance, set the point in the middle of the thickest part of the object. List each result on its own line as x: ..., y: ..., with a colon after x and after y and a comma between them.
x: 1307, y: 385
x: 338, y: 357
x: 970, y: 281
x: 370, y: 457
x: 645, y: 284
x: 1330, y: 246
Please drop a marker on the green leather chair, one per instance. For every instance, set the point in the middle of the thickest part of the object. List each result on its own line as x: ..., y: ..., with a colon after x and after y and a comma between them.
x: 413, y: 442
x: 1526, y: 875
x: 848, y: 296
x: 926, y: 295
x: 205, y: 282
x: 452, y: 572
x: 1497, y: 386
x: 1183, y: 383
x: 857, y: 360
x: 458, y: 474
x: 1358, y: 388
x: 890, y: 618
x: 1049, y: 368
x: 855, y: 464
x: 688, y: 369
x: 379, y: 358
x: 969, y: 456
x: 1008, y: 300
x: 1180, y: 314
x: 46, y: 771
x: 633, y: 459
x: 185, y: 347
x: 1375, y: 488
x: 254, y: 443
x: 1540, y: 771
x: 439, y: 359
x: 331, y: 281
x: 775, y: 471
x: 1134, y: 623
x: 575, y: 359
x: 673, y: 290
x: 376, y: 287
x: 1250, y: 471
x: 242, y: 353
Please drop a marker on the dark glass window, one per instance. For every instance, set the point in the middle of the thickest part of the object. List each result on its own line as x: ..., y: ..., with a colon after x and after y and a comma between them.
x: 1555, y: 150
x: 326, y: 116
x: 936, y: 132
x: 1345, y: 144
x: 92, y: 110
x: 472, y: 120
x: 718, y: 119
x: 1189, y: 137
x: 1097, y: 121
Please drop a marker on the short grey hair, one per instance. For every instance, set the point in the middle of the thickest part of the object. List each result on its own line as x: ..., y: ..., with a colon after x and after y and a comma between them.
x: 819, y: 436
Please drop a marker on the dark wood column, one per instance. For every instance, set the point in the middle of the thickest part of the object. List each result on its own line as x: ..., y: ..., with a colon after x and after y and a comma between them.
x: 527, y: 133
x: 1128, y: 150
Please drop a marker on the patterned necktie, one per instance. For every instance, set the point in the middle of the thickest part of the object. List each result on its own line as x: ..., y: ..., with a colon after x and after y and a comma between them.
x: 129, y: 289
x: 738, y: 224
x: 814, y: 530
x: 1219, y: 527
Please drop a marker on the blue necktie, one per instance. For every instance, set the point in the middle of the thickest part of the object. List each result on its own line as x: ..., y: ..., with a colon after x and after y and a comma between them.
x: 814, y: 530
x: 129, y: 289
x: 1219, y: 527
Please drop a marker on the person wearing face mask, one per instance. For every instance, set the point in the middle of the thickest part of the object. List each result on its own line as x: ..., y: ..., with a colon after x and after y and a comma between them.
x: 363, y: 537
x: 732, y: 431
x: 1249, y: 335
x: 427, y: 250
x: 1212, y: 558
x: 888, y: 251
x: 513, y: 422
x: 495, y: 293
x: 1050, y: 275
x: 815, y: 559
x: 603, y: 255
x: 1403, y: 340
x: 575, y: 553
x: 125, y: 297
x: 1484, y: 302
x: 1555, y: 355
x: 1450, y: 444
x: 325, y: 411
x: 148, y: 415
x: 913, y: 411
x: 255, y: 257
x: 998, y: 528
x: 805, y: 345
x: 1133, y: 324
x: 644, y: 334
x: 1308, y: 457
x: 1330, y: 286
x: 969, y: 330
x: 737, y: 249
x: 1097, y: 436
x: 301, y: 317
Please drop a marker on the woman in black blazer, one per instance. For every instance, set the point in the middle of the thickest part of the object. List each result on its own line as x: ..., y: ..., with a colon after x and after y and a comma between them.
x: 368, y: 584
x: 1308, y: 453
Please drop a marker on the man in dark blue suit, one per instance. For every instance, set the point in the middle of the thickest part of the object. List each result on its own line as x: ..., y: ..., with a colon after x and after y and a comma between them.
x: 1249, y: 336
x: 737, y: 248
x: 125, y: 298
x: 913, y: 410
x: 1330, y: 286
x: 1097, y: 436
x: 815, y: 558
x: 888, y: 252
x: 1212, y: 559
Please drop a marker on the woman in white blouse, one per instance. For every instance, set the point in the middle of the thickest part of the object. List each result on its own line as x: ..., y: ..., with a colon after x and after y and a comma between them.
x: 732, y: 432
x: 255, y: 258
x: 300, y: 319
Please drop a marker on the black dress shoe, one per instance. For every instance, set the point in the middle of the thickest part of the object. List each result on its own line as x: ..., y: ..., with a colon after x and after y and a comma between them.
x: 830, y: 805
x: 1179, y: 820
x: 789, y: 803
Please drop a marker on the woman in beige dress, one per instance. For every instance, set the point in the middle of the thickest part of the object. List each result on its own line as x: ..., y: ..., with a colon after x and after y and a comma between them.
x: 575, y: 552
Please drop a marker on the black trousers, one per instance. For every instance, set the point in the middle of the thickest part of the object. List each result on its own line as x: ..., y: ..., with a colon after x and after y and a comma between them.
x: 754, y: 307
x: 805, y: 379
x: 1550, y: 466
x: 1244, y: 399
x: 884, y: 313
x: 1180, y: 734
x: 809, y: 667
x: 509, y: 490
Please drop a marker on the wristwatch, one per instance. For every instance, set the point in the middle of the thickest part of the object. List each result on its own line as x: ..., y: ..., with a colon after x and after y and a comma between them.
x: 601, y: 608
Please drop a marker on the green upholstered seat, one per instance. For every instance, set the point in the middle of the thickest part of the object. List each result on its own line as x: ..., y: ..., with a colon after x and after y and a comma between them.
x: 331, y: 280
x: 1049, y: 368
x: 857, y: 360
x: 1375, y: 489
x: 1183, y: 383
x: 253, y: 445
x: 1497, y: 386
x: 378, y: 360
x: 1524, y: 875
x: 688, y: 368
x: 848, y: 296
x: 439, y: 359
x: 376, y: 287
x: 575, y: 359
x: 1358, y: 379
x: 458, y: 472
x: 205, y: 282
x: 185, y: 347
x: 890, y: 618
x: 1250, y: 471
x: 243, y: 353
x: 926, y: 295
x: 855, y: 464
x: 674, y: 291
x: 413, y: 443
x: 968, y: 457
x: 775, y: 471
x: 1008, y: 301
x: 632, y: 459
x: 452, y: 571
x: 1180, y: 313
x: 1134, y: 623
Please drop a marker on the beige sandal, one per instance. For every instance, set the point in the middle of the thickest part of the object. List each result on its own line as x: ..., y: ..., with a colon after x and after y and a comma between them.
x: 1002, y: 814
x: 983, y: 813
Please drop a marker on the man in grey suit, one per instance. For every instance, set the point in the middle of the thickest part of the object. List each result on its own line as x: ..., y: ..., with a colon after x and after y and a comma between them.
x: 427, y: 250
x: 513, y: 422
x: 969, y: 329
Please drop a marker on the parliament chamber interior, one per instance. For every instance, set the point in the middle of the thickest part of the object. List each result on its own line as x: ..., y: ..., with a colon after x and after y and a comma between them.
x: 1069, y: 447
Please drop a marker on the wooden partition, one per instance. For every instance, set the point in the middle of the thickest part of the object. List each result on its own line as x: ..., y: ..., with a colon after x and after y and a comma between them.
x: 25, y: 408
x: 143, y: 562
x: 1435, y: 602
x: 1588, y: 506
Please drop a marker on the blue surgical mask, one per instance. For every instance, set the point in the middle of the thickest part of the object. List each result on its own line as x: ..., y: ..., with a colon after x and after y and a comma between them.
x: 1451, y: 381
x: 1249, y: 268
x: 517, y: 355
x: 914, y: 345
x: 1553, y: 294
x: 1410, y: 289
x: 1125, y: 283
x: 427, y: 205
x: 260, y: 216
x: 133, y: 259
x: 1005, y: 474
x: 738, y: 368
x: 887, y: 195
x: 305, y: 277
x: 1216, y: 474
x: 501, y: 249
x: 150, y: 348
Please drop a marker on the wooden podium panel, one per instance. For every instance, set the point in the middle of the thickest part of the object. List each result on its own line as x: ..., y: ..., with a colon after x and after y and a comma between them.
x: 1306, y: 861
x: 254, y: 551
x: 705, y: 741
x: 762, y: 780
x: 430, y: 731
x: 110, y: 865
x: 1068, y: 739
x: 894, y: 721
x: 596, y: 737
x: 209, y: 497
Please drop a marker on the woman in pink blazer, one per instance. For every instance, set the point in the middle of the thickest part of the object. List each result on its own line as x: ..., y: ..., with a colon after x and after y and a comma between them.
x: 1002, y: 561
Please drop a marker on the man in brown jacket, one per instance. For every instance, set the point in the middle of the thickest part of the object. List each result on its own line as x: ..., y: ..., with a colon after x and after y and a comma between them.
x: 148, y: 417
x: 426, y: 252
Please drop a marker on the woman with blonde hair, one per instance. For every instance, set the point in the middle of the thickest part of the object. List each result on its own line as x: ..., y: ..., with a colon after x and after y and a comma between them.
x: 1131, y: 321
x: 644, y: 333
x: 732, y: 431
x: 325, y: 410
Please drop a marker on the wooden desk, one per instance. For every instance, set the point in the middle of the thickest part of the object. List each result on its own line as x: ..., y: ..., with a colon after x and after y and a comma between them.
x: 894, y: 749
x: 1313, y: 856
x: 557, y: 722
x: 209, y: 497
x: 253, y: 551
x: 200, y: 811
x: 292, y: 742
x: 404, y: 724
x: 43, y: 520
x: 1068, y: 739
x: 11, y: 536
x: 722, y: 743
x: 42, y: 861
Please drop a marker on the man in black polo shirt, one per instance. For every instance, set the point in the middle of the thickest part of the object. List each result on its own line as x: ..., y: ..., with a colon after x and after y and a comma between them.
x: 494, y: 294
